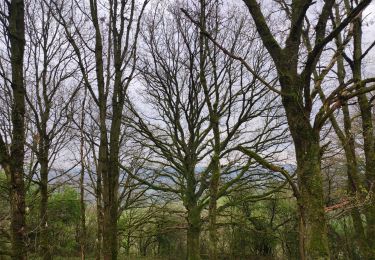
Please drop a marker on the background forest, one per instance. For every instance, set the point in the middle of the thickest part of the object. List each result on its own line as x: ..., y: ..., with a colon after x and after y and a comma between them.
x: 189, y: 129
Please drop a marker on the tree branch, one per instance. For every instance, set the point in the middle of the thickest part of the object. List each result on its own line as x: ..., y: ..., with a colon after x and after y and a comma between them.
x: 271, y: 167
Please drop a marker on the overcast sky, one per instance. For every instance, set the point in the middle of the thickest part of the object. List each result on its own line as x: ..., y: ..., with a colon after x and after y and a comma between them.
x: 369, y: 37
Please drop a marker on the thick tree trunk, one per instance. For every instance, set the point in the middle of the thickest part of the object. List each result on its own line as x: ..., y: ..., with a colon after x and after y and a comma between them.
x: 110, y: 243
x: 312, y: 228
x: 17, y: 190
x: 193, y: 233
x: 110, y: 199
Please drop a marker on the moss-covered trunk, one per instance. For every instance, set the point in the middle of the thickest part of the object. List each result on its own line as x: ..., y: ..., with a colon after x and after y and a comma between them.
x: 194, y: 211
x: 212, y: 215
x: 312, y: 225
x: 193, y: 233
x: 313, y: 228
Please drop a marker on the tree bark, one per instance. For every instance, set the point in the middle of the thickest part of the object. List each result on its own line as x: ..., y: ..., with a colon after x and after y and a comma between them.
x: 99, y: 216
x: 110, y: 243
x: 82, y: 239
x: 83, y: 215
x: 212, y: 210
x: 312, y: 228
x: 44, y: 232
x: 17, y: 153
x: 193, y: 233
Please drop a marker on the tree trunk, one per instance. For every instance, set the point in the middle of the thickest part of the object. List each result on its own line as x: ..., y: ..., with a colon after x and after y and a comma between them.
x: 110, y: 199
x: 312, y: 228
x: 44, y: 232
x: 99, y: 216
x: 82, y: 237
x: 18, y: 225
x: 17, y: 190
x: 193, y: 233
x: 110, y: 243
x: 83, y: 212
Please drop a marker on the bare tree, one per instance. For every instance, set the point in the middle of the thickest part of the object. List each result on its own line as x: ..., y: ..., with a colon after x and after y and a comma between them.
x: 51, y: 90
x: 200, y: 103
